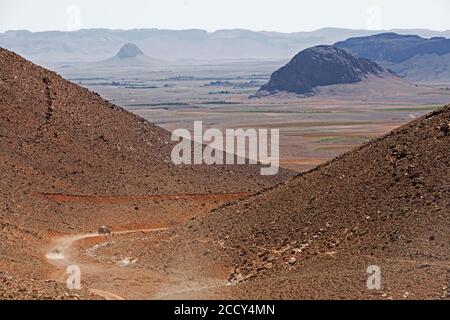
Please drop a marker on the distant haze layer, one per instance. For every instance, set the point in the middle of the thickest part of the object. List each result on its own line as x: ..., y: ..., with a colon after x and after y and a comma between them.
x: 188, y: 45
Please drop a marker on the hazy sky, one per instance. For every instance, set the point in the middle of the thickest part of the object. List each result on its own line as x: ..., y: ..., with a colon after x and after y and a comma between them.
x: 271, y: 15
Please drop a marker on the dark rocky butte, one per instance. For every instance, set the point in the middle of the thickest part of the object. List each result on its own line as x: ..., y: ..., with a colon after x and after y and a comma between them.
x: 319, y: 66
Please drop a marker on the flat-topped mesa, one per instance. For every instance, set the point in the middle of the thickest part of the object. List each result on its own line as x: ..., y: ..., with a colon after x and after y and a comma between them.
x: 320, y: 66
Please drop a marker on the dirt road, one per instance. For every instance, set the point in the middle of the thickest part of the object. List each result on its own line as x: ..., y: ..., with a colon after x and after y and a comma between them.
x: 61, y: 255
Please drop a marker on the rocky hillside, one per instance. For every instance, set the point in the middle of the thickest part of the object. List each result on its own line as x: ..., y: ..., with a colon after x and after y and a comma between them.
x: 70, y: 139
x: 388, y: 200
x: 385, y: 203
x: 319, y: 66
x: 58, y: 138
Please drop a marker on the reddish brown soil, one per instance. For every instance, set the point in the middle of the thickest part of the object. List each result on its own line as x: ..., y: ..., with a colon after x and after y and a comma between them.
x: 57, y: 138
x: 386, y: 203
x: 61, y: 198
x: 26, y: 289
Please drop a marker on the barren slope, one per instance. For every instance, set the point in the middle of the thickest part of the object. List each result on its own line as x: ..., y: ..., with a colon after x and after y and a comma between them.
x: 72, y: 140
x: 386, y: 203
x: 320, y: 66
x: 58, y: 138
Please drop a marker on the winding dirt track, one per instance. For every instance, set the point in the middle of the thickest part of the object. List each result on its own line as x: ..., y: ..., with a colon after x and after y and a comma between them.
x: 113, y: 281
x: 61, y: 256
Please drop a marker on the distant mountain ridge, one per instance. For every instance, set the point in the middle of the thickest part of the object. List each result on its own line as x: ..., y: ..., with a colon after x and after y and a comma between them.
x: 392, y: 47
x: 410, y: 56
x: 320, y: 66
x: 100, y: 44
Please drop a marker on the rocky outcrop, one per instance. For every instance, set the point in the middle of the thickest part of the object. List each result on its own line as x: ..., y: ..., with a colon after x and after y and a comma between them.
x: 319, y: 66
